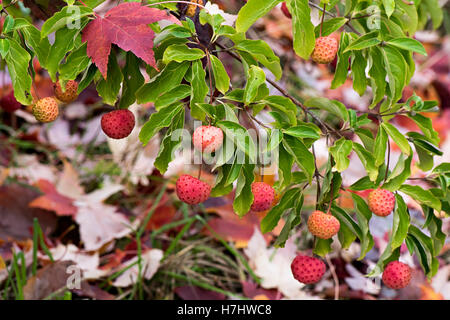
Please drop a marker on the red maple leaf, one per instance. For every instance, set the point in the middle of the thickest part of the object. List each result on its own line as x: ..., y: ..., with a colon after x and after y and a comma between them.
x: 126, y: 26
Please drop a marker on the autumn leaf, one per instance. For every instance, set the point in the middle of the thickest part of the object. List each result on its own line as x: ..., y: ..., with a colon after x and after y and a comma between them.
x: 52, y: 200
x: 126, y: 26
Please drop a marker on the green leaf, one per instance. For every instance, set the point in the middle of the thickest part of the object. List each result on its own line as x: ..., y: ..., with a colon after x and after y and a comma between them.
x: 400, y: 222
x: 293, y: 219
x: 33, y: 39
x: 76, y: 62
x: 422, y: 196
x: 435, y: 12
x: 366, y: 41
x: 285, y: 163
x: 340, y: 74
x: 348, y: 230
x: 398, y: 138
x: 322, y: 247
x: 132, y: 80
x: 181, y: 53
x: 434, y: 225
x: 17, y: 60
x: 8, y: 24
x: 330, y: 26
x: 287, y: 201
x: 380, y: 147
x: 221, y: 78
x: 302, y: 27
x: 276, y: 136
x: 109, y: 89
x: 252, y: 11
x: 377, y: 73
x: 66, y: 17
x: 426, y: 126
x: 408, y: 44
x: 262, y: 53
x: 340, y: 151
x: 240, y: 137
x: 158, y: 120
x: 302, y: 156
x: 164, y: 81
x: 367, y: 160
x: 397, y: 70
x: 176, y: 94
x: 65, y: 41
x: 389, y: 7
x: 244, y: 196
x: 199, y: 89
x: 255, y: 80
x: 4, y: 47
x: 87, y: 78
x: 307, y: 130
x: 423, y: 246
x: 332, y: 106
x: 359, y: 63
x: 170, y: 143
x: 286, y: 107
x: 398, y: 176
x: 363, y: 215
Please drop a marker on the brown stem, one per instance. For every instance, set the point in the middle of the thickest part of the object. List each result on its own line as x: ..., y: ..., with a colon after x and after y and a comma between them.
x: 335, y: 277
x: 323, y: 16
x: 325, y: 126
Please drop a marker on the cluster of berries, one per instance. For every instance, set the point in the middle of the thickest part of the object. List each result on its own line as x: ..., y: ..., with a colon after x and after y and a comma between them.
x: 307, y: 270
x: 45, y: 109
x: 194, y: 191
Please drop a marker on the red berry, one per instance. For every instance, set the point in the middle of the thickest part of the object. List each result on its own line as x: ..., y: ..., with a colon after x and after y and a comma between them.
x: 381, y: 202
x: 9, y: 102
x: 307, y: 269
x: 396, y: 275
x: 118, y: 124
x: 263, y: 194
x: 323, y: 225
x: 325, y: 50
x: 207, y: 138
x: 70, y: 94
x: 192, y: 190
x: 285, y: 10
x: 45, y: 109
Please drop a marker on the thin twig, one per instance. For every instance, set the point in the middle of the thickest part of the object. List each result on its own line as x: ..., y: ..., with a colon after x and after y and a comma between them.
x: 335, y: 277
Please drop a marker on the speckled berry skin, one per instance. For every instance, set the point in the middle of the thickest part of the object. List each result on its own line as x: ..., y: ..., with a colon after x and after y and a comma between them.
x: 192, y: 190
x: 325, y: 50
x: 307, y: 269
x: 323, y: 225
x: 396, y: 275
x: 285, y: 10
x: 70, y: 94
x: 207, y: 139
x: 45, y: 109
x: 9, y: 102
x: 118, y: 124
x: 381, y: 202
x: 263, y: 195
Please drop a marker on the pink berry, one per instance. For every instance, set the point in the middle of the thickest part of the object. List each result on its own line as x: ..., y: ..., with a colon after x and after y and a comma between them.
x: 381, y: 202
x: 396, y: 275
x: 263, y: 195
x: 192, y: 190
x: 118, y: 124
x: 323, y: 225
x: 307, y: 269
x: 207, y: 139
x: 325, y: 50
